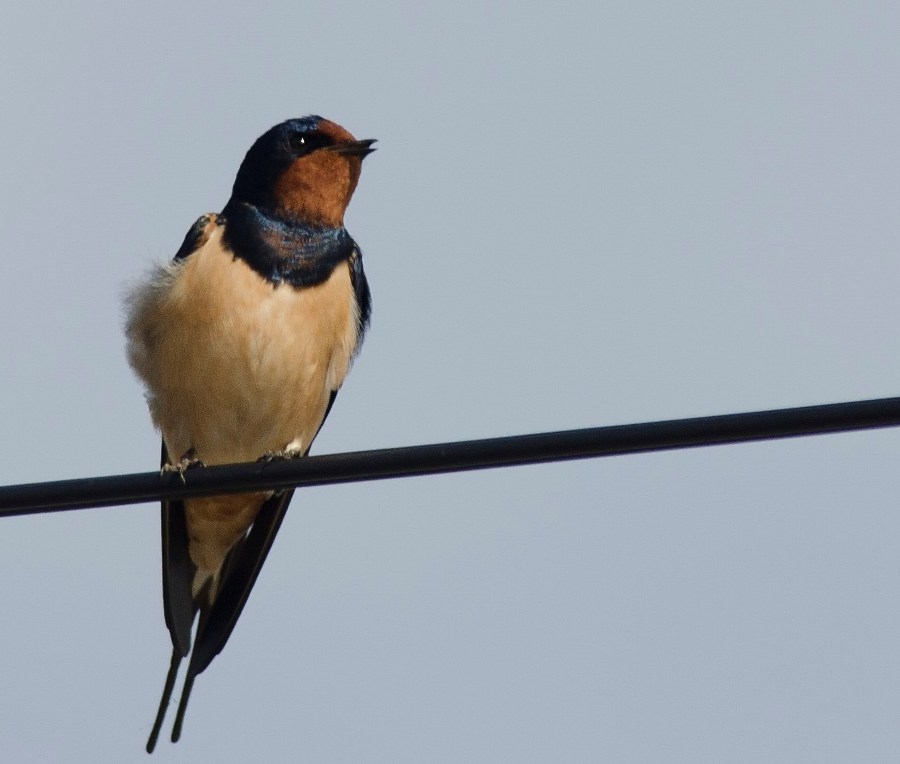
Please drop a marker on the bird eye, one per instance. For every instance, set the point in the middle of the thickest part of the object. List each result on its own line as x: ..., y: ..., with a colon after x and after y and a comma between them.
x: 304, y: 143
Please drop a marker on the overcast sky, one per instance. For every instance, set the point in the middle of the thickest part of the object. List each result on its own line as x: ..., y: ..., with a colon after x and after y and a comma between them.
x: 579, y: 215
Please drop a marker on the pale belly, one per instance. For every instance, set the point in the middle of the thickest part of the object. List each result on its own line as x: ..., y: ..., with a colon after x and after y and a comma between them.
x: 235, y: 367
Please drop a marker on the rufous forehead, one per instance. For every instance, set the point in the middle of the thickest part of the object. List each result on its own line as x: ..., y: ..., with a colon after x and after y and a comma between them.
x: 334, y: 131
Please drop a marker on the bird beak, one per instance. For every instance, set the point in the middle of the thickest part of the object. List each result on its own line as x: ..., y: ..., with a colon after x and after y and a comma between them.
x: 354, y: 148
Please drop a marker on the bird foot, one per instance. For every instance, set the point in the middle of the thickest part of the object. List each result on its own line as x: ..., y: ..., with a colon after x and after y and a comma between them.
x: 188, y: 461
x: 282, y: 455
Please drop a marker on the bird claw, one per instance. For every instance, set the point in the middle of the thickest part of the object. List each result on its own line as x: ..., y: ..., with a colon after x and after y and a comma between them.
x: 188, y: 461
x: 282, y: 455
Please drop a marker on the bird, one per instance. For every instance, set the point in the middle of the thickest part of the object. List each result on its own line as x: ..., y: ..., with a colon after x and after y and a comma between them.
x: 242, y: 342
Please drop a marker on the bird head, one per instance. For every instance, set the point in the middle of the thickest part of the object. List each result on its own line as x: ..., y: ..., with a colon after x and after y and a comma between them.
x: 304, y: 170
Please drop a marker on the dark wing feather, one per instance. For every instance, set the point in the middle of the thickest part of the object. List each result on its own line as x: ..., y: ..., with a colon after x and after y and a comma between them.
x: 177, y: 572
x: 216, y: 627
x: 197, y: 235
x: 218, y: 621
x: 361, y: 292
x: 178, y: 602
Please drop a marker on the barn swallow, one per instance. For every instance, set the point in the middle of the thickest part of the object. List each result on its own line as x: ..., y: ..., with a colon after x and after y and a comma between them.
x: 242, y: 343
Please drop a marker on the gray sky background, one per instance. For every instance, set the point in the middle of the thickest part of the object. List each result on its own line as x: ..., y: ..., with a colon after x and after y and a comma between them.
x: 579, y: 214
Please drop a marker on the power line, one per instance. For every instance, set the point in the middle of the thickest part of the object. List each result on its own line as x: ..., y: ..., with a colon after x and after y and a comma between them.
x: 83, y: 493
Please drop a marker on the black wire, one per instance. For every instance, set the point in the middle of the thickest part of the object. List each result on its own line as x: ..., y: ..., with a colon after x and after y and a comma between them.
x: 438, y: 458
